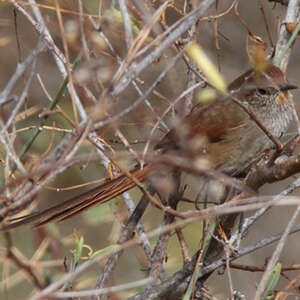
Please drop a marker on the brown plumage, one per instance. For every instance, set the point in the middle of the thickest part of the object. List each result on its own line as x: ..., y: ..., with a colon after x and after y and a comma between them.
x: 229, y: 138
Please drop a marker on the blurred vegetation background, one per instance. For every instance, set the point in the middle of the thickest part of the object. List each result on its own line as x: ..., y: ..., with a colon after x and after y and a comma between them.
x: 224, y: 41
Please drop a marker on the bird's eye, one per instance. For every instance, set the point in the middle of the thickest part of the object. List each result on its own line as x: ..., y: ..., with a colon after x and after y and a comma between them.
x: 262, y: 91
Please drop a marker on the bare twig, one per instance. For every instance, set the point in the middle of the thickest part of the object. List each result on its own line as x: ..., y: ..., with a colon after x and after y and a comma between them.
x: 21, y: 68
x: 127, y: 23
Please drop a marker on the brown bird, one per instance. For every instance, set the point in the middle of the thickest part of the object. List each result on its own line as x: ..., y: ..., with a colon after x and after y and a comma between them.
x: 222, y: 131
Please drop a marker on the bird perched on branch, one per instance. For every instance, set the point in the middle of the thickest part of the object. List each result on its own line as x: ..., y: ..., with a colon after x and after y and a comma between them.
x: 229, y: 133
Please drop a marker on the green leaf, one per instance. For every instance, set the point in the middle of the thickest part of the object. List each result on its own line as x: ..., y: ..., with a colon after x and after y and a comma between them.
x: 272, y: 282
x: 77, y: 252
x: 106, y: 250
x: 206, y: 66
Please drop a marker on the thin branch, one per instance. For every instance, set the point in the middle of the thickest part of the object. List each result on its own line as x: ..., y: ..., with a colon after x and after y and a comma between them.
x: 170, y: 284
x: 275, y: 256
x: 103, y: 291
x: 37, y: 281
x: 125, y: 236
x: 127, y: 23
x: 21, y: 68
x: 172, y: 34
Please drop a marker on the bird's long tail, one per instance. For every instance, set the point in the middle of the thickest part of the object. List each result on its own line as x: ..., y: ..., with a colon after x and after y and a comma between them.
x: 76, y: 205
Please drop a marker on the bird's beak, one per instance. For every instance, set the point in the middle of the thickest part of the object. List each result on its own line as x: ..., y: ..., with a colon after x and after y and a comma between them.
x: 288, y: 87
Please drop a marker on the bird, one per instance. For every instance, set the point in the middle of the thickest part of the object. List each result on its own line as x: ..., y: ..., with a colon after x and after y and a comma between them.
x: 229, y: 133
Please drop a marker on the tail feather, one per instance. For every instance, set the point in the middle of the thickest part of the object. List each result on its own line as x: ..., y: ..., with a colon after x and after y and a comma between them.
x: 76, y: 205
